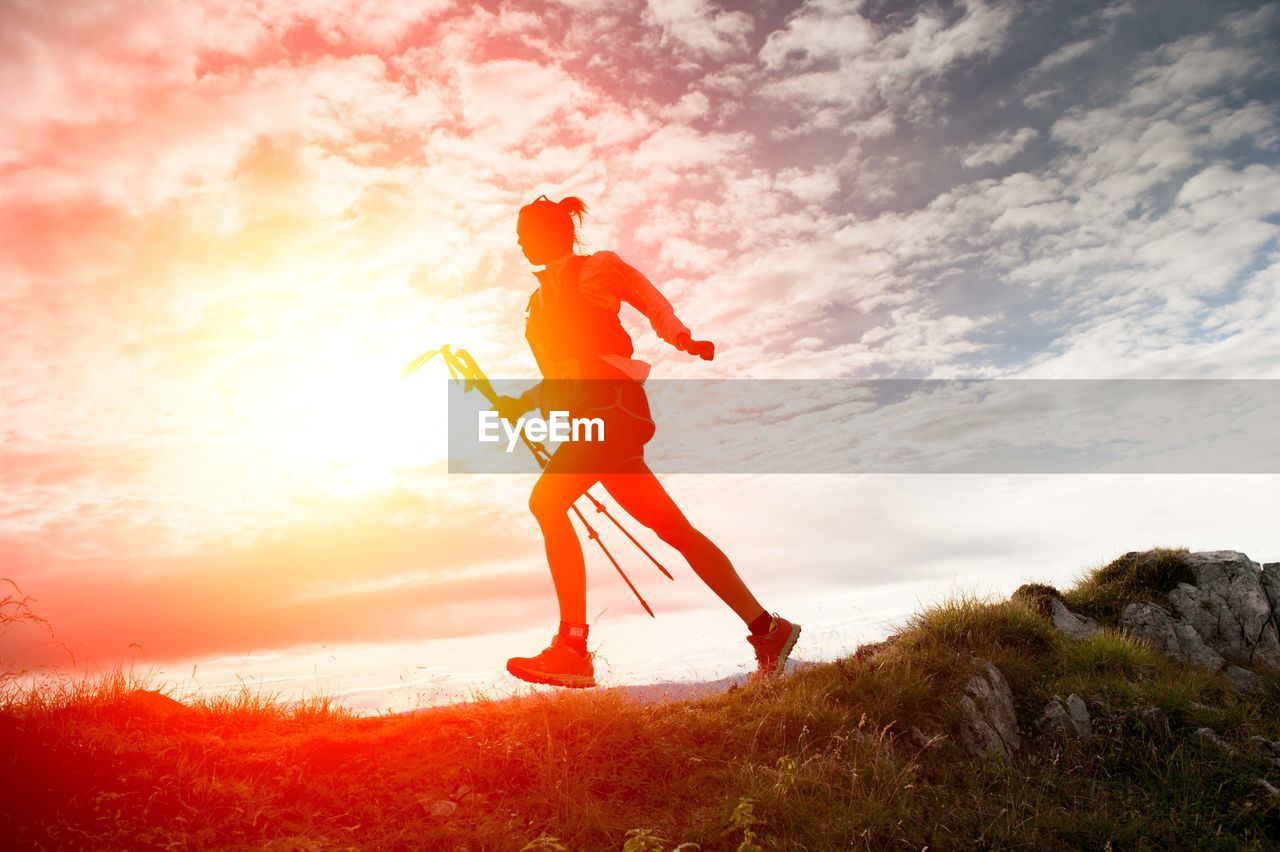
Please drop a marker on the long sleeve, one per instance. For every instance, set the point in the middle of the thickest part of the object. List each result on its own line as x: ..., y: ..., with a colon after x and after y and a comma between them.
x: 607, y: 280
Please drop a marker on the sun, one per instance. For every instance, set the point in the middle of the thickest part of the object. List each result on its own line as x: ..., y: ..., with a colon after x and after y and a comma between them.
x: 306, y: 397
x: 342, y: 421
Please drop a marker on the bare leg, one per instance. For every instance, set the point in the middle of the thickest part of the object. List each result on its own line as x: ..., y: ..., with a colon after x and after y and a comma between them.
x: 639, y: 492
x: 552, y: 496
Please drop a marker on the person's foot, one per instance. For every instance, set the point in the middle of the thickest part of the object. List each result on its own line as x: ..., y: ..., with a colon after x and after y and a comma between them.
x: 773, y: 647
x: 557, y: 665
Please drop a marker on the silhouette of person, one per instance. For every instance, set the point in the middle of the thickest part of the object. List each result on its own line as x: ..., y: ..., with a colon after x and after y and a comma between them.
x: 584, y: 355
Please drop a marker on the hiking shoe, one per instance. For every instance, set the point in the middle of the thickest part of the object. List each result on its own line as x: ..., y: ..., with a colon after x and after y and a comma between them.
x: 557, y: 665
x: 773, y: 648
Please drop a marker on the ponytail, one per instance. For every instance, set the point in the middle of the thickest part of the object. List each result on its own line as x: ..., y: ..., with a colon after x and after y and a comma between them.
x: 556, y: 217
x: 574, y: 207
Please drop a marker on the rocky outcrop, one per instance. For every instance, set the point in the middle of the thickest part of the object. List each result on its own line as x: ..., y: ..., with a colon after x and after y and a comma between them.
x: 1072, y: 625
x: 1067, y: 717
x: 1231, y: 607
x: 1048, y: 602
x: 1226, y: 620
x: 1174, y: 637
x: 989, y: 725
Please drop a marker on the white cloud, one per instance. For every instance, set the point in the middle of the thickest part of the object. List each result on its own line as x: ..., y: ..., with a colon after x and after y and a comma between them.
x: 1007, y: 145
x: 1065, y: 54
x: 700, y: 27
x: 514, y: 97
x: 829, y: 56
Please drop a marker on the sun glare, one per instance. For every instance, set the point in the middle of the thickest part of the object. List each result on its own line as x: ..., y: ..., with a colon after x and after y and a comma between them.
x: 343, y: 423
x: 301, y: 392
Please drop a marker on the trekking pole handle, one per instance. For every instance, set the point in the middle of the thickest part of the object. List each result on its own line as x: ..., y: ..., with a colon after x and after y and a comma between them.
x: 704, y: 349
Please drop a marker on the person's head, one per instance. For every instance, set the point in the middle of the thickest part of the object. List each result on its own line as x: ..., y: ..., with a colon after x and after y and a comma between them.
x: 545, y: 228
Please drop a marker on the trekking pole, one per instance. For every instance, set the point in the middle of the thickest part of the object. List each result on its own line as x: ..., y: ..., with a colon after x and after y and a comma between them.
x: 540, y: 453
x: 600, y: 507
x: 464, y: 368
x: 467, y: 367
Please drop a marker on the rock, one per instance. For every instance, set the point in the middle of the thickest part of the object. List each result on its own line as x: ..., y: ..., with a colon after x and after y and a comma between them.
x: 1207, y: 735
x: 1226, y: 620
x: 1271, y: 584
x: 989, y: 725
x: 1069, y: 717
x: 1229, y: 607
x: 1268, y: 750
x: 1177, y: 639
x: 1072, y: 625
x: 1245, y: 680
x: 438, y: 808
x: 1271, y: 588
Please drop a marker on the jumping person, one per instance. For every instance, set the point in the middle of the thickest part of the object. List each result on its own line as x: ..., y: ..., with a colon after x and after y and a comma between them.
x: 584, y: 355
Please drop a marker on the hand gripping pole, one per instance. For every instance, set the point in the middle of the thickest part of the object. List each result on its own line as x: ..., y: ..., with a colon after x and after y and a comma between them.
x: 463, y: 368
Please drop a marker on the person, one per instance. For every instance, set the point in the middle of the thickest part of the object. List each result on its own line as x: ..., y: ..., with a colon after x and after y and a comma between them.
x: 585, y: 357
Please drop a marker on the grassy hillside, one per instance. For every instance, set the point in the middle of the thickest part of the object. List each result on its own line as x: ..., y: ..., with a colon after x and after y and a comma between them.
x: 822, y: 759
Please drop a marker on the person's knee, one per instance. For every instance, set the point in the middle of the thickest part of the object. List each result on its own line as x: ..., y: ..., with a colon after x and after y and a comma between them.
x: 676, y: 531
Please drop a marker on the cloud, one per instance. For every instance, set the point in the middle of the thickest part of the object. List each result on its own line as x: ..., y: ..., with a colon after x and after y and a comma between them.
x: 700, y: 27
x: 1103, y: 22
x: 223, y: 231
x: 839, y: 67
x: 513, y: 99
x: 290, y: 587
x: 1002, y: 149
x: 1065, y: 54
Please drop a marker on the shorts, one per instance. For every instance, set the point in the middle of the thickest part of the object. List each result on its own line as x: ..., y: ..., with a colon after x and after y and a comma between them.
x: 623, y: 408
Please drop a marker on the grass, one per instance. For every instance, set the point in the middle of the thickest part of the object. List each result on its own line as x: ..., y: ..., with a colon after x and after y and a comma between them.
x: 1140, y: 575
x: 823, y: 759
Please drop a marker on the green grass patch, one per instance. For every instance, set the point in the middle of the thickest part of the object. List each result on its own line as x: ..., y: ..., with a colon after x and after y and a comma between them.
x: 942, y: 639
x: 1110, y: 652
x: 1135, y: 576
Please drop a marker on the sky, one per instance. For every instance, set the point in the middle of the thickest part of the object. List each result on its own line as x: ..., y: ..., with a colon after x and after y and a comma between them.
x: 225, y: 227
